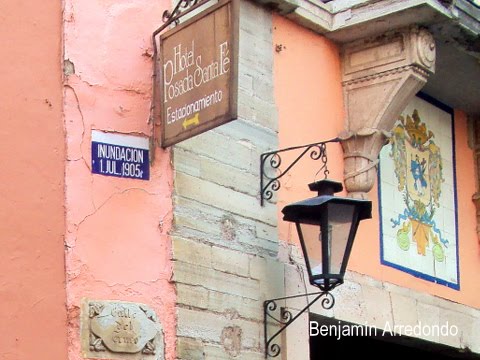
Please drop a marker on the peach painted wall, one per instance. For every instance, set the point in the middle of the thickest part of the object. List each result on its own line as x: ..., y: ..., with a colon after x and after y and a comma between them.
x: 117, y: 243
x: 308, y: 95
x: 309, y: 98
x: 32, y: 154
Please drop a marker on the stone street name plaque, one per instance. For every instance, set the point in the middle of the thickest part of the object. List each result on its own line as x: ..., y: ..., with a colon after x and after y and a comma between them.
x: 120, y: 330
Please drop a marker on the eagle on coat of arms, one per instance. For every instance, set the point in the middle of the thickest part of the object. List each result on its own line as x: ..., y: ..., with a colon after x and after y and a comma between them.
x: 419, y: 171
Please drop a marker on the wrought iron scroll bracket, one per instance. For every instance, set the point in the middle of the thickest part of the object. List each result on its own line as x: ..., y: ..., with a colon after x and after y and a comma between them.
x: 285, y: 317
x: 183, y: 7
x: 272, y: 160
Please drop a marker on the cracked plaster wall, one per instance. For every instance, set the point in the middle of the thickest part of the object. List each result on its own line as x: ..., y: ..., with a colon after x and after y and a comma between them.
x: 117, y: 244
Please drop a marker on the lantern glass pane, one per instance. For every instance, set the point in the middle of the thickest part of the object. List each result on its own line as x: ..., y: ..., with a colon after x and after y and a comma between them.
x: 313, y: 246
x: 340, y: 217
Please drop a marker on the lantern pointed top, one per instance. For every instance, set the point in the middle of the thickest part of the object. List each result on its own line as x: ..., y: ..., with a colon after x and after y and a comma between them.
x: 326, y: 187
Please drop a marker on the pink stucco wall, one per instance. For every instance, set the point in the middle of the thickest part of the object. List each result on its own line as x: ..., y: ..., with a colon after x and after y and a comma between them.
x: 117, y: 243
x: 310, y: 109
x: 32, y: 153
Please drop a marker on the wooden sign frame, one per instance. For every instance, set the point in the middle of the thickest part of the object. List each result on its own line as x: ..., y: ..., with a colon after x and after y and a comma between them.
x: 194, y: 95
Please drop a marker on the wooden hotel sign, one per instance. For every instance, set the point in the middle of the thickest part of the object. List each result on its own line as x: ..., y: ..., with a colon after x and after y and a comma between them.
x: 198, y: 67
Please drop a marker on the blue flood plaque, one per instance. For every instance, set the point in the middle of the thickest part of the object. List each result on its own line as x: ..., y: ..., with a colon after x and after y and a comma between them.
x: 119, y: 155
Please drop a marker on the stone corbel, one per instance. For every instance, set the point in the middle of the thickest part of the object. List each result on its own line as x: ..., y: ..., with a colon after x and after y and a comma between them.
x: 360, y: 164
x: 381, y: 75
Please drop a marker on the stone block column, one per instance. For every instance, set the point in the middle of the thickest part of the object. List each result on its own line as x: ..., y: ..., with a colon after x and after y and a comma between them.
x: 381, y: 75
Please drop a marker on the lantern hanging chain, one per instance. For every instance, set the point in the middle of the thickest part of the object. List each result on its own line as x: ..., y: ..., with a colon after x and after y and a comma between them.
x: 324, y: 159
x: 272, y: 160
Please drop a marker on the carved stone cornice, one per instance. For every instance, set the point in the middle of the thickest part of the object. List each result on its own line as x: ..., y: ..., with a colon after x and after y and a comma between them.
x: 381, y: 75
x: 413, y: 68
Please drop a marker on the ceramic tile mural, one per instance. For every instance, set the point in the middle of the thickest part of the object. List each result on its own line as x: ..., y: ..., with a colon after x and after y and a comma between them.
x: 418, y: 196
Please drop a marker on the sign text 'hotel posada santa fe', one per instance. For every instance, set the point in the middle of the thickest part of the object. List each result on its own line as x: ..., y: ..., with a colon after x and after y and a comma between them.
x: 198, y: 73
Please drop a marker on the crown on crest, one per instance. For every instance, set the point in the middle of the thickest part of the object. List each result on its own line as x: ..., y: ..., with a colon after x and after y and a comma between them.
x: 417, y: 131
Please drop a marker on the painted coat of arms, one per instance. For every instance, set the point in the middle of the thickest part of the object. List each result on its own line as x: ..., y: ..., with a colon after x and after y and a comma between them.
x: 416, y: 222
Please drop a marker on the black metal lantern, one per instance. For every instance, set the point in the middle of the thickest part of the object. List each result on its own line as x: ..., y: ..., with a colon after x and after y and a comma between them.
x: 326, y: 226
